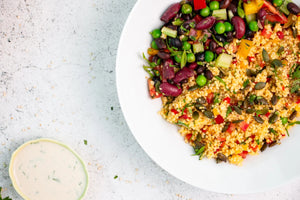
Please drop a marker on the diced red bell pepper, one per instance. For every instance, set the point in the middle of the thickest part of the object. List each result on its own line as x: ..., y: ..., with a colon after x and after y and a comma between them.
x: 199, y: 4
x: 210, y: 98
x: 188, y: 136
x: 197, y: 19
x: 244, y: 154
x: 221, y: 139
x: 268, y: 114
x: 219, y: 119
x: 174, y: 111
x: 252, y: 136
x: 251, y: 59
x: 222, y: 144
x: 227, y: 99
x: 244, y: 125
x: 203, y: 130
x: 280, y: 34
x: 152, y: 91
x: 283, y: 87
x: 266, y: 33
x: 254, y: 148
x: 298, y: 101
x: 231, y: 128
x: 185, y: 116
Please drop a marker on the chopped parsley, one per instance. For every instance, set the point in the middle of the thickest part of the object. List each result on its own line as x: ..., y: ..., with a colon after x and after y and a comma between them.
x: 229, y: 110
x: 85, y: 142
x: 116, y: 176
x: 222, y: 81
x: 246, y: 83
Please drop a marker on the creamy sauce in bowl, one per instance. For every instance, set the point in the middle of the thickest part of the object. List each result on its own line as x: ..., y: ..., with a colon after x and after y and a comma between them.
x: 45, y: 169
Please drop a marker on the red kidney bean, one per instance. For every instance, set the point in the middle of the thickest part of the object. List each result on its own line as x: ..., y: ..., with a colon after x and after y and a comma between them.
x: 239, y: 26
x: 163, y: 55
x: 293, y: 8
x: 168, y: 71
x: 206, y: 23
x: 224, y: 4
x: 220, y: 50
x: 193, y: 65
x: 201, y: 69
x: 184, y: 73
x: 213, y: 45
x: 229, y: 37
x: 208, y: 74
x: 233, y: 8
x: 170, y: 90
x: 160, y: 43
x: 171, y: 12
x: 261, y: 15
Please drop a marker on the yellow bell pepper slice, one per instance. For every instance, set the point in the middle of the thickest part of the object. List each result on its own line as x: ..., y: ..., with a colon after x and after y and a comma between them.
x: 244, y: 48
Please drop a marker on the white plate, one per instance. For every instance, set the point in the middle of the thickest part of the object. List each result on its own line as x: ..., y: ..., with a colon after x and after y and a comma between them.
x: 163, y: 143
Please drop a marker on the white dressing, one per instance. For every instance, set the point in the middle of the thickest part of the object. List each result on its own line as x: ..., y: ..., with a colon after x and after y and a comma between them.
x: 48, y: 170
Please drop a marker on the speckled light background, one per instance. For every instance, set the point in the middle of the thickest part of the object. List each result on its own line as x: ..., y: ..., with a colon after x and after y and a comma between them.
x: 57, y: 80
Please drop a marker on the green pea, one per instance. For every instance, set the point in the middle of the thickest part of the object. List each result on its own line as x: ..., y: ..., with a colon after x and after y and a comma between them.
x: 220, y: 28
x: 186, y: 9
x: 253, y: 26
x: 284, y: 120
x: 205, y: 12
x: 277, y: 2
x: 214, y: 5
x: 154, y: 45
x: 177, y: 58
x: 156, y: 33
x: 208, y: 56
x: 201, y: 80
x: 186, y: 46
x: 228, y: 26
x: 191, y: 58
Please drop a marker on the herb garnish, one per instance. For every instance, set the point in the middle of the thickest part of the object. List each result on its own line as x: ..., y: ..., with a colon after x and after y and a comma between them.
x: 222, y: 81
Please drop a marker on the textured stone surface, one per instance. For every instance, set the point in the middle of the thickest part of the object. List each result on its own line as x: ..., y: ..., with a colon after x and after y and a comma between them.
x: 57, y: 80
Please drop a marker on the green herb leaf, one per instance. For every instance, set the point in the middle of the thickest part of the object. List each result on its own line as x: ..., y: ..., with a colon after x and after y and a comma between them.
x: 152, y: 64
x: 186, y: 106
x: 85, y: 142
x: 296, y: 73
x: 252, y: 98
x: 116, y: 176
x: 229, y: 110
x: 273, y: 131
x: 183, y: 59
x: 216, y: 98
x: 180, y: 123
x: 147, y: 69
x: 221, y: 80
x: 293, y: 123
x: 257, y: 141
x: 295, y: 86
x: 246, y: 83
x: 177, y: 22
